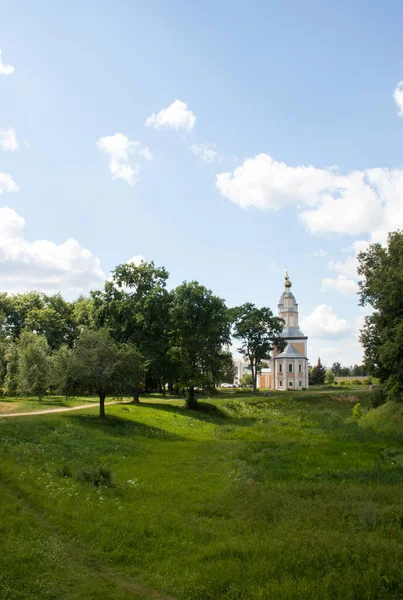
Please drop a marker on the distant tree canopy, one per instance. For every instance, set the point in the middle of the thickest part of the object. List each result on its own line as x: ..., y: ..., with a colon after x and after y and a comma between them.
x: 259, y: 331
x: 352, y: 371
x: 381, y: 270
x: 134, y: 335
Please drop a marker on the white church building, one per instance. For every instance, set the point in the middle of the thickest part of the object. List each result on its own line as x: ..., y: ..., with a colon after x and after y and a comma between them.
x: 288, y: 369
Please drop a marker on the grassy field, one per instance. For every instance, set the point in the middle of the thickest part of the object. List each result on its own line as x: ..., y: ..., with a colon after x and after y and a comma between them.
x: 249, y: 498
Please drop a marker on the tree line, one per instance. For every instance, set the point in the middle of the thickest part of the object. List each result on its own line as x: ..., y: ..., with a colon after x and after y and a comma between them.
x: 133, y: 335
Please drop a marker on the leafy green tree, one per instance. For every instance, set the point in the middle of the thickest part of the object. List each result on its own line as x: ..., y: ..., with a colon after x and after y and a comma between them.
x: 381, y: 271
x: 63, y: 378
x: 33, y: 364
x: 318, y: 374
x: 247, y: 380
x: 94, y: 366
x: 11, y: 376
x: 135, y: 307
x: 131, y: 370
x: 329, y: 379
x: 259, y: 332
x: 336, y: 369
x: 15, y: 309
x: 227, y: 368
x: 199, y: 329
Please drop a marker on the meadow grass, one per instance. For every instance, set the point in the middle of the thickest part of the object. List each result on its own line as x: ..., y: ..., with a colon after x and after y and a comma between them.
x: 248, y: 498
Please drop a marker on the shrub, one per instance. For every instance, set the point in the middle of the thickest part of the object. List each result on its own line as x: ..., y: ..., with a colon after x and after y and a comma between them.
x: 357, y: 381
x: 95, y: 476
x: 378, y: 397
x: 357, y: 412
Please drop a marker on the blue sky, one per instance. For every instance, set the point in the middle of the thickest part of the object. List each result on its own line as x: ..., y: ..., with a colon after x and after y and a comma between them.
x: 294, y: 108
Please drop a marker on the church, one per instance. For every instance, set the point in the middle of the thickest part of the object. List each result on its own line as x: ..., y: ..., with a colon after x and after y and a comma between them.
x: 288, y: 369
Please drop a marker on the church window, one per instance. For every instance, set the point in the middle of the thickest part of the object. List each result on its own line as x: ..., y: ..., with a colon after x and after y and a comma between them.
x: 300, y: 368
x: 290, y: 384
x: 280, y: 368
x: 290, y: 368
x: 280, y: 383
x: 300, y: 383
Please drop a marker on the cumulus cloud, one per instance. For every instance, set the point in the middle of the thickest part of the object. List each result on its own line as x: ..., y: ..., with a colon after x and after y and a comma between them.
x: 176, y: 116
x: 341, y: 283
x: 206, y: 152
x: 124, y: 155
x: 136, y: 260
x: 5, y: 69
x: 7, y: 183
x: 42, y: 264
x: 8, y: 140
x: 324, y: 323
x: 326, y: 200
x: 398, y: 97
x: 319, y: 253
x: 347, y: 280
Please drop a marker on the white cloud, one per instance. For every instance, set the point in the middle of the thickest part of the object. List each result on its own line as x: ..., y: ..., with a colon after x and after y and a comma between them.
x: 206, y: 152
x: 5, y: 69
x: 319, y: 253
x: 8, y: 140
x: 326, y: 200
x: 324, y: 323
x: 124, y: 155
x: 136, y: 260
x: 7, y: 183
x: 176, y: 116
x: 342, y: 284
x: 42, y: 264
x: 398, y: 97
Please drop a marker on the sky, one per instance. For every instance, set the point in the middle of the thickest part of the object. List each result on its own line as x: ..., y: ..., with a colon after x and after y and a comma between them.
x: 224, y: 140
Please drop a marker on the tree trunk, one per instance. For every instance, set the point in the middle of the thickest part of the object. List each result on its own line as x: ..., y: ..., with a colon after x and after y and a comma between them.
x: 102, y: 406
x: 191, y: 400
x: 171, y: 388
x: 254, y: 376
x: 136, y: 397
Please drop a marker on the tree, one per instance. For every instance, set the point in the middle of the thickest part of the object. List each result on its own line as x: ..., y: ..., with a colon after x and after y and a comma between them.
x: 318, y: 374
x: 33, y: 364
x: 11, y: 376
x: 63, y: 378
x: 131, y: 370
x: 381, y: 270
x: 94, y: 366
x: 329, y: 379
x: 199, y: 329
x: 135, y: 308
x: 227, y: 368
x: 247, y: 380
x: 336, y: 369
x: 259, y: 332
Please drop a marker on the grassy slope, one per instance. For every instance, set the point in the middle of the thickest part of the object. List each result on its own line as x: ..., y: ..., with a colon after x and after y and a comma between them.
x: 247, y: 499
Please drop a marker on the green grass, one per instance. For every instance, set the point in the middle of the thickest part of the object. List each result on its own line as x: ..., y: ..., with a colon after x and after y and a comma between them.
x: 249, y: 498
x: 17, y: 405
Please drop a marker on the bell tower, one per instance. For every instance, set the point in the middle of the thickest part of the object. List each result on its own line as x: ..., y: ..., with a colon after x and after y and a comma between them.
x: 290, y: 367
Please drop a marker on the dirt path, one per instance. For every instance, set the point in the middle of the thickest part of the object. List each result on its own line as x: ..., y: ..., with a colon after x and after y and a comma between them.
x: 59, y: 410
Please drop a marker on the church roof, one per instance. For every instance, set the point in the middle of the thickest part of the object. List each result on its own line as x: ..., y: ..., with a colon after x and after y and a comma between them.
x: 289, y: 352
x: 292, y: 332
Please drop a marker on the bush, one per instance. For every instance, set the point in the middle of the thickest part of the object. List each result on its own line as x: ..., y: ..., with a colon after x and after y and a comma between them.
x: 378, y: 397
x: 356, y: 412
x: 357, y: 381
x: 96, y: 476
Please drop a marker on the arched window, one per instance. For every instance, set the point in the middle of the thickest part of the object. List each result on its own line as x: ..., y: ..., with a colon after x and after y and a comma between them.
x: 280, y: 383
x: 300, y: 368
x: 280, y: 368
